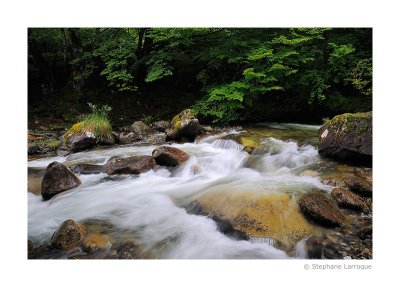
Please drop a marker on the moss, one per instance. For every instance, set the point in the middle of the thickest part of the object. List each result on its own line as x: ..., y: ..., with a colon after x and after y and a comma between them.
x: 75, y: 129
x: 343, y: 123
x: 349, y: 116
x: 177, y: 124
x: 184, y: 115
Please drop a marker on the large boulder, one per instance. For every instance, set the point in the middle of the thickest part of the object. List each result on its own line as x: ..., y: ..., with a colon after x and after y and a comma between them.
x: 321, y: 210
x: 185, y: 125
x: 347, y: 137
x: 68, y: 236
x: 56, y: 179
x: 255, y: 215
x: 347, y: 199
x: 169, y: 156
x: 130, y: 165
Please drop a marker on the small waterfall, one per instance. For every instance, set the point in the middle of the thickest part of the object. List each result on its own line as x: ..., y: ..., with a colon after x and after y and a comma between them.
x: 227, y: 144
x: 300, y: 249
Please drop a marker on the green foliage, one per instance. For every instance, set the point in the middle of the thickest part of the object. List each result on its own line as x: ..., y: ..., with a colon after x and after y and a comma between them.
x: 158, y: 68
x: 224, y: 103
x: 236, y: 74
x: 118, y: 54
x: 361, y: 76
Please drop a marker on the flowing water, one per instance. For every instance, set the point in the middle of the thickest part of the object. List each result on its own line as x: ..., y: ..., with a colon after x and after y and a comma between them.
x: 151, y: 209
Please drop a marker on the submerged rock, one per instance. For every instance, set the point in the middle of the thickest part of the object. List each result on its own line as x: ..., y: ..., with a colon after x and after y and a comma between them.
x: 130, y: 165
x: 68, y: 236
x: 169, y: 156
x: 84, y: 168
x: 347, y: 137
x: 96, y: 242
x: 347, y: 199
x: 321, y: 210
x: 129, y: 251
x: 57, y: 179
x: 185, y: 125
x: 359, y: 185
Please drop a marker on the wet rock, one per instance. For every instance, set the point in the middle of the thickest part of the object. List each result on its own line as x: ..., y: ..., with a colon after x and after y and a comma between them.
x: 156, y: 139
x: 321, y: 210
x: 365, y: 232
x: 130, y: 165
x: 359, y: 185
x: 184, y: 125
x: 57, y: 179
x: 207, y: 129
x: 128, y: 137
x: 35, y: 183
x: 63, y: 151
x: 248, y: 149
x: 46, y: 252
x: 313, y: 246
x: 128, y: 251
x: 33, y: 148
x: 161, y: 126
x: 273, y: 216
x: 96, y: 242
x: 347, y: 137
x: 364, y: 173
x: 68, y: 236
x: 169, y: 156
x: 224, y: 226
x: 87, y: 168
x: 339, y: 246
x: 333, y: 182
x: 80, y: 142
x: 140, y: 128
x: 347, y: 199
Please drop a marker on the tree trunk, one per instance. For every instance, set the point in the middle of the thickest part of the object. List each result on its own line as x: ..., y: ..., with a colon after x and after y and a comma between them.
x: 72, y: 52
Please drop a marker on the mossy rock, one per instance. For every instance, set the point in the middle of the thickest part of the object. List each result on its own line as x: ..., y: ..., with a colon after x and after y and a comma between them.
x: 182, y: 116
x: 184, y: 126
x: 348, y: 138
x: 274, y: 215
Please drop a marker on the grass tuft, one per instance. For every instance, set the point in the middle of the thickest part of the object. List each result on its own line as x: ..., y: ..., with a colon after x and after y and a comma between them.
x: 97, y: 123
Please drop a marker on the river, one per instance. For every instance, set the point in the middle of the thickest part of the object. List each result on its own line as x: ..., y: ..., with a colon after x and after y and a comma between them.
x: 159, y: 210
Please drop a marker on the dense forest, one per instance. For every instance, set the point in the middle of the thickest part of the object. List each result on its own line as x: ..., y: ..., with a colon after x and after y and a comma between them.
x: 227, y: 75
